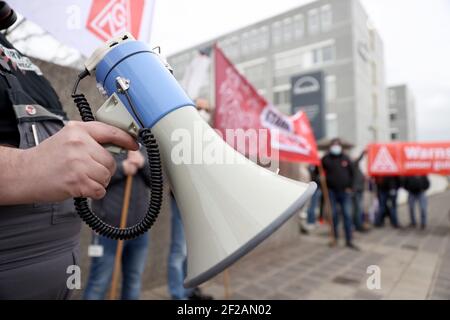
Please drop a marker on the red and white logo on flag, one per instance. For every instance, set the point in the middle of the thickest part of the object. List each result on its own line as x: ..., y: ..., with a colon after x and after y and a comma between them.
x: 108, y: 18
x: 383, y: 162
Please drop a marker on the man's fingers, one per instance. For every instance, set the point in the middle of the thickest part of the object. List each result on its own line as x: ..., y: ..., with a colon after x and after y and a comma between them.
x: 102, y: 156
x: 99, y: 173
x: 92, y: 189
x: 103, y: 133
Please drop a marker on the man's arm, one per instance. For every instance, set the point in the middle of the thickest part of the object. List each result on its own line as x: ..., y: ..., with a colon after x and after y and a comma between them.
x: 14, y: 188
x: 71, y: 163
x: 351, y: 172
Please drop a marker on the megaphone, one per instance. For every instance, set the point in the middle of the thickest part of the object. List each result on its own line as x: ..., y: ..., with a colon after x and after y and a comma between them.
x: 227, y: 208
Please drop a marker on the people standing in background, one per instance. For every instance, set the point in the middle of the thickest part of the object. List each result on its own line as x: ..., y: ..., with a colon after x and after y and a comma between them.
x: 177, y: 264
x: 416, y: 187
x: 134, y: 255
x: 314, y: 201
x: 339, y: 177
x: 387, y: 190
x: 359, y: 184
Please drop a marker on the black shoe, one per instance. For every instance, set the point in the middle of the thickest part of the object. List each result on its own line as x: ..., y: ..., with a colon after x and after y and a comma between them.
x: 423, y: 227
x: 350, y: 245
x: 198, y: 295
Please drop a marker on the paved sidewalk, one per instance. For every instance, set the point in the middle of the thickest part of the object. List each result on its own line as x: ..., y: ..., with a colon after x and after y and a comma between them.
x: 414, y: 264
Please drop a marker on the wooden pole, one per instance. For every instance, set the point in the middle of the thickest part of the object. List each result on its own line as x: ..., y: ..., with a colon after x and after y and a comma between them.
x: 327, y: 203
x: 119, y: 249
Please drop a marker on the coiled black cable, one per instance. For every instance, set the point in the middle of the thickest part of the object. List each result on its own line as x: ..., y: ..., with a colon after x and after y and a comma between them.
x: 156, y: 182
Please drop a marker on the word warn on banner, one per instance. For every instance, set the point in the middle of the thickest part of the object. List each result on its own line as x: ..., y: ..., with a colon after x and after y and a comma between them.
x: 408, y: 158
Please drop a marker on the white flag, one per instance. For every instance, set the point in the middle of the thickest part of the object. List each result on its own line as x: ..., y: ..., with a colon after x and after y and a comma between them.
x: 86, y: 24
x: 196, y: 75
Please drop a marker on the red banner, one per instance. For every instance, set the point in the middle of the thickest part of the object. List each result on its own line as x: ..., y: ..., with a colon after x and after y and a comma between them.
x: 239, y: 107
x: 409, y: 158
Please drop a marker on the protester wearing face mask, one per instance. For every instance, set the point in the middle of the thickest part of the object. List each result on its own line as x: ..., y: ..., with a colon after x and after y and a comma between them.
x: 339, y: 177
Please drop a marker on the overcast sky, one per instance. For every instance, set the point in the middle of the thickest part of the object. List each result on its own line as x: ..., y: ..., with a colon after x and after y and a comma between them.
x: 416, y: 35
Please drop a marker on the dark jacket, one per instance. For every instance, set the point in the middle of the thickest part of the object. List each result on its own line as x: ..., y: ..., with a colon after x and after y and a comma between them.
x: 109, y: 208
x: 359, y: 179
x: 388, y: 183
x: 314, y: 174
x: 339, y: 172
x: 416, y: 184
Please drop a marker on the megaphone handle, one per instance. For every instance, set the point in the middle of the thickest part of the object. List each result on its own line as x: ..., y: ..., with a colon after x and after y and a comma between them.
x: 156, y: 179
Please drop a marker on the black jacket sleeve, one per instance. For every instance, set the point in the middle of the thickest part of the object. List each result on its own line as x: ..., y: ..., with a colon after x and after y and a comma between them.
x: 351, y: 171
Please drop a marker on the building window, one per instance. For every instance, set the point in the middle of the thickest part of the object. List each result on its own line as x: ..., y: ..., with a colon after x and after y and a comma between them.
x: 254, y: 41
x: 288, y: 61
x: 327, y: 54
x: 245, y: 43
x: 394, y: 136
x: 255, y: 74
x: 317, y: 56
x: 277, y: 33
x: 326, y: 17
x: 392, y: 97
x: 313, y: 21
x: 299, y: 26
x: 230, y: 46
x: 330, y: 88
x: 287, y: 30
x: 393, y: 115
x: 282, y: 97
x: 263, y: 38
x: 323, y: 55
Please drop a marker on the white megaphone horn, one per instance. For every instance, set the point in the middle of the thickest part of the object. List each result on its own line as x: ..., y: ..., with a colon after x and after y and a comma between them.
x: 227, y: 208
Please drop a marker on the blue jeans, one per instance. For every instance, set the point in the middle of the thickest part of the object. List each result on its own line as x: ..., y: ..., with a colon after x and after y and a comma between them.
x: 422, y: 200
x: 134, y: 257
x: 388, y: 205
x: 315, y: 200
x: 177, y: 266
x: 358, y: 212
x: 343, y: 200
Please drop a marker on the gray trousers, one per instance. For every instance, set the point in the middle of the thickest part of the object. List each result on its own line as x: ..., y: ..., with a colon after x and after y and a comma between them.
x: 45, y: 280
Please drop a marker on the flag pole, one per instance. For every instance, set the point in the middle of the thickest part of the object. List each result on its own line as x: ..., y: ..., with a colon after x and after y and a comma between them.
x: 119, y: 249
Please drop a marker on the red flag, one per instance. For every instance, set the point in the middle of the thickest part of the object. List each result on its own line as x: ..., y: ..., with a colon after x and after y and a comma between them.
x: 409, y: 158
x: 239, y: 106
x: 300, y: 144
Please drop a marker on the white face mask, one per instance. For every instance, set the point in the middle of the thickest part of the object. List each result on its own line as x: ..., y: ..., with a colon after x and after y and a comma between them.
x: 336, y: 149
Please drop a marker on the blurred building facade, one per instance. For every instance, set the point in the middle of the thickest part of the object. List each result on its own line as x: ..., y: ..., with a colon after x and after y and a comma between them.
x: 402, y: 113
x: 332, y: 36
